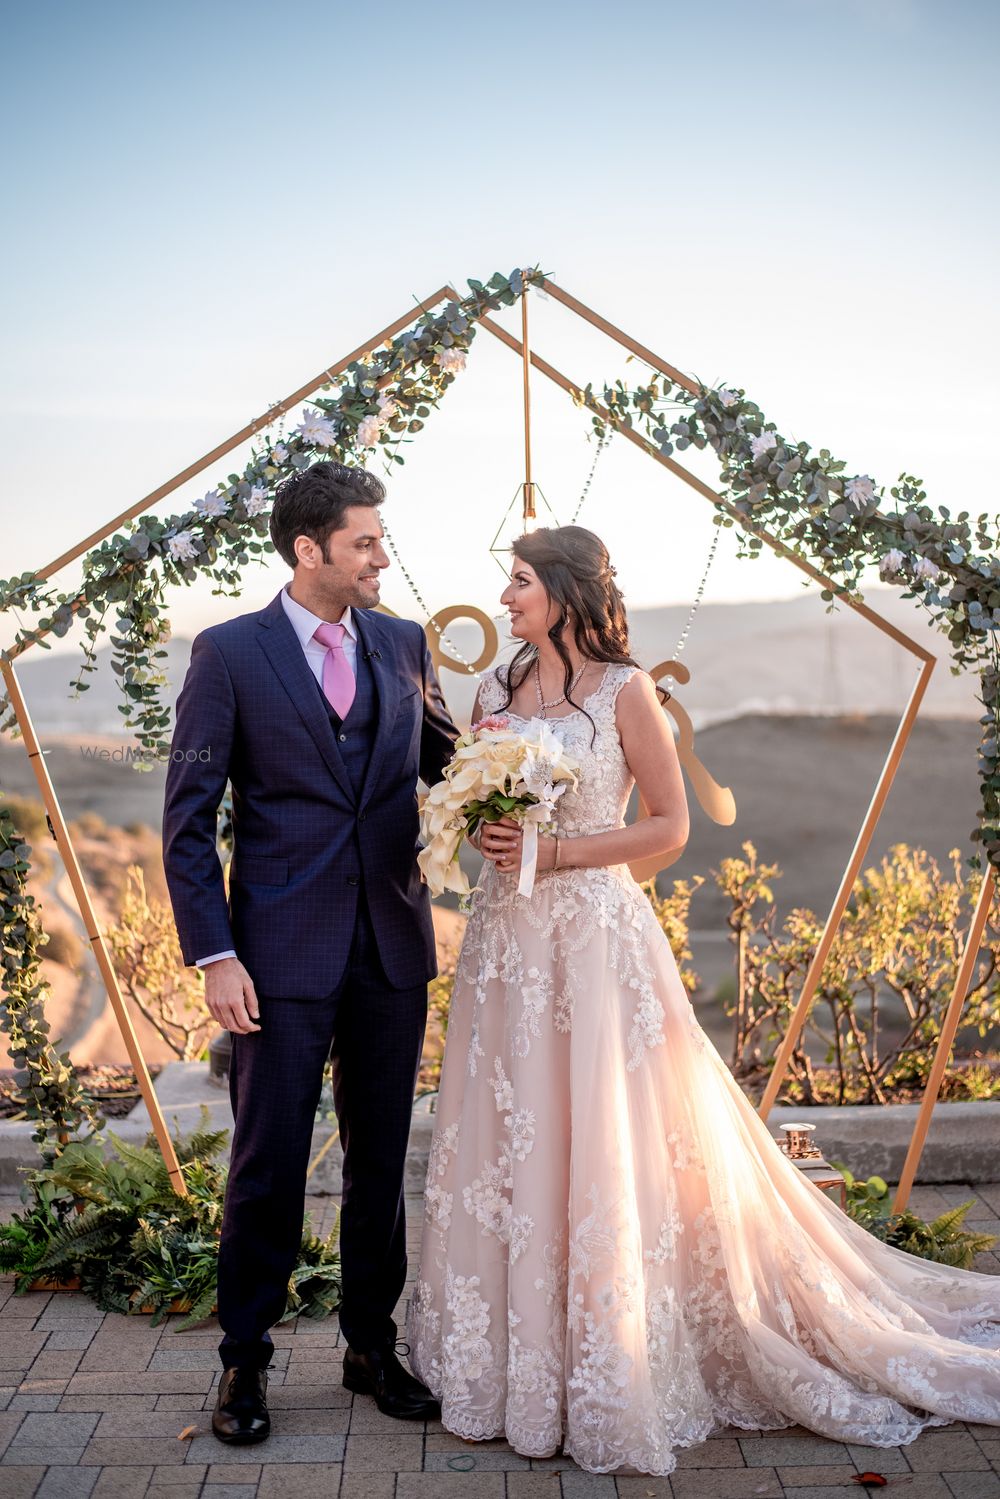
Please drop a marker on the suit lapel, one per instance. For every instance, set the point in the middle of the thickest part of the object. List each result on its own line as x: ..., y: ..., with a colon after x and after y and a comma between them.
x: 375, y: 647
x: 281, y: 646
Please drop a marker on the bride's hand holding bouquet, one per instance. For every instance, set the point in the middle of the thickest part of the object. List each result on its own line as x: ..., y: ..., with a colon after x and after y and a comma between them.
x: 497, y: 774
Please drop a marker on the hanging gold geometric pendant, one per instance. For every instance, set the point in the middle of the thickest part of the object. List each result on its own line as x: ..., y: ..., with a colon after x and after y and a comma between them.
x: 514, y: 525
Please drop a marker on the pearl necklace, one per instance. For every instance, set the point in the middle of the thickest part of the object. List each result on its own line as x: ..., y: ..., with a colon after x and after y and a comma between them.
x: 555, y: 701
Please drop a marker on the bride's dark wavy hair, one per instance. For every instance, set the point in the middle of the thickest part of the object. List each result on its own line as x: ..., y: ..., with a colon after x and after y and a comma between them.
x: 575, y: 570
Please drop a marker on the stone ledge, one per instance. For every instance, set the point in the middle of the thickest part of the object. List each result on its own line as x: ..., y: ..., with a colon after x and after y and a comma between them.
x: 963, y: 1144
x: 183, y: 1089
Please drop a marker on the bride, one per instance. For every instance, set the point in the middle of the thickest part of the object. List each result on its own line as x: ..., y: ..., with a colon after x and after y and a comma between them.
x: 616, y: 1258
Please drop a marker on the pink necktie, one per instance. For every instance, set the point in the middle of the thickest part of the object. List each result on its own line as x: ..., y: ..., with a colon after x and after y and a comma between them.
x: 339, y: 685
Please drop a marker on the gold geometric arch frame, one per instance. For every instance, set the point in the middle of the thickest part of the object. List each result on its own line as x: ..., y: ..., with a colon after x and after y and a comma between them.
x: 880, y: 793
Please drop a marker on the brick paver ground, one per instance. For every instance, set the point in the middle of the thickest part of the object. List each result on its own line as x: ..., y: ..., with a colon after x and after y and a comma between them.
x: 91, y: 1407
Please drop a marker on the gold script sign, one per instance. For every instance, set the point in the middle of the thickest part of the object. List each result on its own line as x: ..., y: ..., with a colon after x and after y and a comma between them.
x: 716, y: 801
x: 440, y: 621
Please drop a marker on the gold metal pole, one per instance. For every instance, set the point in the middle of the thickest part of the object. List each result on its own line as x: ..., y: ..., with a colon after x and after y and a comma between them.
x: 882, y: 788
x: 946, y: 1040
x: 104, y: 963
x: 529, y: 488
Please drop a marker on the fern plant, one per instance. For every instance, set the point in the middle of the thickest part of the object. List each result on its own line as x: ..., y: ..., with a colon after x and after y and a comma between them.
x: 314, y: 1289
x: 942, y: 1239
x: 116, y: 1224
x: 25, y: 1240
x: 179, y: 1265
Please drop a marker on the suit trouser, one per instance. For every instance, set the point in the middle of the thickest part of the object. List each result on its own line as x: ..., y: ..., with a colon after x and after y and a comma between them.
x: 374, y: 1035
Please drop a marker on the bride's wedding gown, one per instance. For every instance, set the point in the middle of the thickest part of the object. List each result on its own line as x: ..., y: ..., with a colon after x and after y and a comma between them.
x: 616, y: 1256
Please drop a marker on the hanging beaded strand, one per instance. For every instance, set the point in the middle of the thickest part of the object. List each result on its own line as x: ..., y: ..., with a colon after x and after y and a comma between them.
x: 445, y: 640
x: 602, y: 443
x: 424, y: 609
x: 670, y: 681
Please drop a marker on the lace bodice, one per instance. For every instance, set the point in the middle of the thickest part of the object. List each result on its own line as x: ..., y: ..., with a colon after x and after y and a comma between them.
x: 598, y: 804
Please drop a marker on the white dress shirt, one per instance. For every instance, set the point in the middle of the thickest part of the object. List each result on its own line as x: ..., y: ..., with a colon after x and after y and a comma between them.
x: 305, y: 623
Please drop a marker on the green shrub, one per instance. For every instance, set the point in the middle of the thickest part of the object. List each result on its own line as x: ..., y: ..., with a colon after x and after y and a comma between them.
x: 878, y: 1007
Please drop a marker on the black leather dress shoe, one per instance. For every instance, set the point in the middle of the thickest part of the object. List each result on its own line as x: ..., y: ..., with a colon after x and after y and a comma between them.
x: 240, y: 1414
x: 397, y: 1392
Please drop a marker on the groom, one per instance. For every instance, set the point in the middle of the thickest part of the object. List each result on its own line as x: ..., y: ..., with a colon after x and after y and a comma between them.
x: 322, y: 715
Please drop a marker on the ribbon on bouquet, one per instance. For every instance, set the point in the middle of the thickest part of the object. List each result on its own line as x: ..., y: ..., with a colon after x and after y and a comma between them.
x: 529, y: 858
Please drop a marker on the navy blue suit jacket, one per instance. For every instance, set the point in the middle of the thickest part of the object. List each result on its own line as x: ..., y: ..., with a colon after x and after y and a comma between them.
x: 304, y: 844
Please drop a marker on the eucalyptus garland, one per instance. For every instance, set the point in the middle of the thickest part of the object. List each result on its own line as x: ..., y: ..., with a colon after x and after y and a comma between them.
x: 841, y: 524
x: 53, y: 1095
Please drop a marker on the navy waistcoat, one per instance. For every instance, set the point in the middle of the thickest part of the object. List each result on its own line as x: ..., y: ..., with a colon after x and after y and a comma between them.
x: 356, y: 733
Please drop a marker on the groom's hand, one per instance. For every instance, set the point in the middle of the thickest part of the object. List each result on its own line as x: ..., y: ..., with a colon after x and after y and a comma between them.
x: 229, y: 994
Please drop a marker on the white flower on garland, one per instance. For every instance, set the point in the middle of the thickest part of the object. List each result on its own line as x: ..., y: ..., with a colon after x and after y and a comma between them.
x: 181, y: 547
x: 763, y: 443
x: 369, y: 429
x: 212, y: 504
x: 256, y: 500
x: 316, y: 429
x: 925, y: 568
x: 279, y: 452
x: 451, y: 361
x: 726, y: 396
x: 860, y: 490
x: 891, y: 561
x: 386, y: 408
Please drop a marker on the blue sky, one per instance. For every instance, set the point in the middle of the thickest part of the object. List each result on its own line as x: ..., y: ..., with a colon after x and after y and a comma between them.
x: 207, y: 203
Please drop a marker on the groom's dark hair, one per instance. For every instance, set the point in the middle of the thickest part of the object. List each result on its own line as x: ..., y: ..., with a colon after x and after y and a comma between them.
x: 312, y: 503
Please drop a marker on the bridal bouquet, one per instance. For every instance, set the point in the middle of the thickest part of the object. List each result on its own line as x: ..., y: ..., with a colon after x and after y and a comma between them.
x: 496, y: 771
